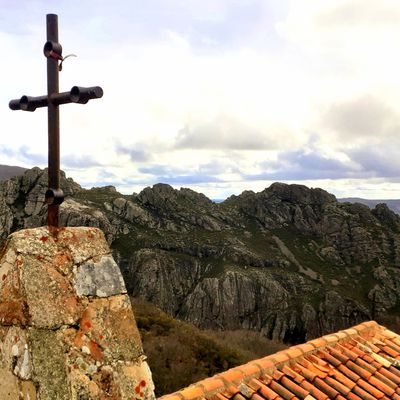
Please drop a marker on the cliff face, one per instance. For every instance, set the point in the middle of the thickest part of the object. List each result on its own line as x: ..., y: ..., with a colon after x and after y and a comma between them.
x: 289, y: 261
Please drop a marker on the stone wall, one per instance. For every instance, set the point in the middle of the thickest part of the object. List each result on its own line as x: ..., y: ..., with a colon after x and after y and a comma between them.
x: 67, y: 330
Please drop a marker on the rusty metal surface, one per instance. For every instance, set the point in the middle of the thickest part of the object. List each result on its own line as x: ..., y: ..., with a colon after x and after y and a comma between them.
x: 77, y: 94
x: 53, y: 119
x: 53, y: 52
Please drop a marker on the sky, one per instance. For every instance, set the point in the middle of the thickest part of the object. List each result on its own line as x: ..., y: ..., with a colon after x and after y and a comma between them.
x: 220, y: 96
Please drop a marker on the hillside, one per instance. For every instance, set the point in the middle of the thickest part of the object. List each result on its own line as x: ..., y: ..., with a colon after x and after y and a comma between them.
x: 8, y: 171
x: 290, y: 262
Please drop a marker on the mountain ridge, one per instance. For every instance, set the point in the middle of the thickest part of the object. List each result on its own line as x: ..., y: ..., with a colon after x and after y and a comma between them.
x: 8, y: 171
x: 393, y: 204
x: 290, y: 262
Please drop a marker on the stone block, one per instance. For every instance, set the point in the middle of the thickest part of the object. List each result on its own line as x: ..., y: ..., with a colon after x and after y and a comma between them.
x: 67, y: 329
x: 36, y: 242
x: 98, y: 335
x: 101, y: 279
x: 83, y: 243
x: 49, y: 364
x: 50, y: 295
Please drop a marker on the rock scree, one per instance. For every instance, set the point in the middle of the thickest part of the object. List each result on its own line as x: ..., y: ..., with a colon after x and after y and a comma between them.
x: 67, y: 329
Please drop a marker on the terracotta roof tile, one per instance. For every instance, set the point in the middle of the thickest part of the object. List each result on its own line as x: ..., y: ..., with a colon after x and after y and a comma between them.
x: 360, y: 363
x: 256, y: 396
x: 378, y: 375
x: 309, y: 375
x: 392, y: 377
x: 335, y: 352
x: 268, y: 393
x: 348, y: 372
x: 231, y: 390
x: 394, y: 371
x: 353, y: 396
x: 305, y: 348
x: 388, y: 390
x: 317, y: 343
x: 324, y: 387
x: 314, y: 391
x: 280, y: 357
x: 254, y: 384
x: 265, y: 364
x: 368, y: 344
x: 238, y: 396
x: 265, y: 378
x: 345, y: 390
x: 212, y: 385
x: 358, y: 370
x: 250, y: 369
x: 375, y: 392
x: 175, y: 397
x: 192, y: 392
x: 294, y: 387
x: 391, y: 349
x: 282, y: 391
x: 363, y: 394
x: 340, y: 377
x: 233, y: 375
x: 367, y: 367
x: 219, y: 396
x: 246, y: 390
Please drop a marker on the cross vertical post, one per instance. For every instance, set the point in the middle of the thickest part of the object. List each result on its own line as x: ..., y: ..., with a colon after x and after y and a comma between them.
x: 53, y: 120
x: 53, y: 52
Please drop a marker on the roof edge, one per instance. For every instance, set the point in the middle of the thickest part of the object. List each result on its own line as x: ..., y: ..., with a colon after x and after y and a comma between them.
x: 228, y: 381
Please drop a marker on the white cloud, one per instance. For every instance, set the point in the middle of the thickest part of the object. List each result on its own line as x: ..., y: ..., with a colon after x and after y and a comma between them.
x: 218, y: 81
x: 362, y: 117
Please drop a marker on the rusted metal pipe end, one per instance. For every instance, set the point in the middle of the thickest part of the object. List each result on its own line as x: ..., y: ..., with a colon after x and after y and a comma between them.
x: 29, y: 103
x: 84, y: 94
x: 15, y: 104
x: 54, y: 197
x: 53, y: 50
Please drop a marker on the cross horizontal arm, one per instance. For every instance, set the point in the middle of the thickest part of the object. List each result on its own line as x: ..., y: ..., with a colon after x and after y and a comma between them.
x: 76, y: 95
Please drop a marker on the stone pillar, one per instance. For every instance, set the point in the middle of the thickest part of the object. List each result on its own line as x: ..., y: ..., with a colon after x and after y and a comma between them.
x: 67, y: 329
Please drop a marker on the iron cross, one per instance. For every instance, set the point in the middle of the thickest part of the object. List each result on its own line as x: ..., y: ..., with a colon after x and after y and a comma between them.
x: 53, y: 52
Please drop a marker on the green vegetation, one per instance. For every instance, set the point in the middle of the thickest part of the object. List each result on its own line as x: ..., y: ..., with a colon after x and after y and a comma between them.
x: 180, y: 354
x: 100, y: 195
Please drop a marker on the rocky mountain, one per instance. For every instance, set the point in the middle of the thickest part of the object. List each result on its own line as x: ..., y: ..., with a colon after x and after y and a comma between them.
x: 290, y: 262
x: 393, y: 204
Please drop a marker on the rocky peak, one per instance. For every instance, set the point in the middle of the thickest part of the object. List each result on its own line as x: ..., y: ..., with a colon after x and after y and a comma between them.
x: 299, y: 194
x: 165, y: 198
x: 106, y: 189
x: 36, y: 180
x: 180, y: 209
x: 386, y: 216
